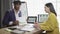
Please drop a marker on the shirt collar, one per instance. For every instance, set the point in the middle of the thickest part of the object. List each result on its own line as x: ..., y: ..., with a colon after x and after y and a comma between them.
x: 16, y: 12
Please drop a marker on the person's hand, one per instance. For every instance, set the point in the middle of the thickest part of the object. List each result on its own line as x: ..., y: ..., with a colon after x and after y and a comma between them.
x: 16, y: 22
x: 36, y: 25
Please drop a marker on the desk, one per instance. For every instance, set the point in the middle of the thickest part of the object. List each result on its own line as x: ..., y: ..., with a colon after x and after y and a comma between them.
x: 3, y: 31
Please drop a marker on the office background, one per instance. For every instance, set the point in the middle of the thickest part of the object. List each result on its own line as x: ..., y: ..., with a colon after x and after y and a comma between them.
x: 35, y: 7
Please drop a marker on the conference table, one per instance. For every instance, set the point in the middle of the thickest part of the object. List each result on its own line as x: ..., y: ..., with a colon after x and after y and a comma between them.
x: 4, y: 31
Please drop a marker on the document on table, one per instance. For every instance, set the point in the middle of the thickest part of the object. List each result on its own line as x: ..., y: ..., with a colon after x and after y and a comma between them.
x: 18, y: 32
x: 28, y: 27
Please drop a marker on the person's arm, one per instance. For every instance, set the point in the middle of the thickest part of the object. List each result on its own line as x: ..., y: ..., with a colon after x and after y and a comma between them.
x: 6, y: 19
x: 50, y: 24
x: 13, y: 23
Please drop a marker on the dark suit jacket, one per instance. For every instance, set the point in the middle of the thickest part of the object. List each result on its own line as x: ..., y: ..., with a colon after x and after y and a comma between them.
x: 9, y: 16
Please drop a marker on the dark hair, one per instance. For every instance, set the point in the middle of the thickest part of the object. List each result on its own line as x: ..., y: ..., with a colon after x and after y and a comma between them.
x: 50, y: 5
x: 16, y: 2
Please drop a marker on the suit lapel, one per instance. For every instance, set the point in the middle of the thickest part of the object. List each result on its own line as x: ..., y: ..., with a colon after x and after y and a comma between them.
x: 13, y: 15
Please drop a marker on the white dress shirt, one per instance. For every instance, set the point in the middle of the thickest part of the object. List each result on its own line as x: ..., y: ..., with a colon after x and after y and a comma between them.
x: 21, y: 19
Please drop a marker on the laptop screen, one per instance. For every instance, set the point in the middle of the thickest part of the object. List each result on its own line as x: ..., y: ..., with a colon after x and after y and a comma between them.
x: 31, y: 19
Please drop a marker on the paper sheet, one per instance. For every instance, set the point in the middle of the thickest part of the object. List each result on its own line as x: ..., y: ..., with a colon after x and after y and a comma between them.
x: 28, y: 27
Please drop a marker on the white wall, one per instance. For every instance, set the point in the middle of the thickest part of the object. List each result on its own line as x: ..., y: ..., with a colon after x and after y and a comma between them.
x: 37, y: 6
x: 58, y: 12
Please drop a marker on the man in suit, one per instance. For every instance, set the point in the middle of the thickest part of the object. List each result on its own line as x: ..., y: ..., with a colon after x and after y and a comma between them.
x: 11, y: 16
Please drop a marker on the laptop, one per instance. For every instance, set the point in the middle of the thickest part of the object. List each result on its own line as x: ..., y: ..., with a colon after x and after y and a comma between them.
x: 31, y: 19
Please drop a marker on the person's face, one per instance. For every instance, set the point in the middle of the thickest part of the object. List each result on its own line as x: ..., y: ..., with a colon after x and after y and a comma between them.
x: 47, y: 9
x: 17, y: 6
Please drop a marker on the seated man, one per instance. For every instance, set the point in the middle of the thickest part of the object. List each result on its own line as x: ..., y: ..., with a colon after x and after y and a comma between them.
x: 11, y: 16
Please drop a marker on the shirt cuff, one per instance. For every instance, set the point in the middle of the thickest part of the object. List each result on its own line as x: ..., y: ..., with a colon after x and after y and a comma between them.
x: 10, y: 23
